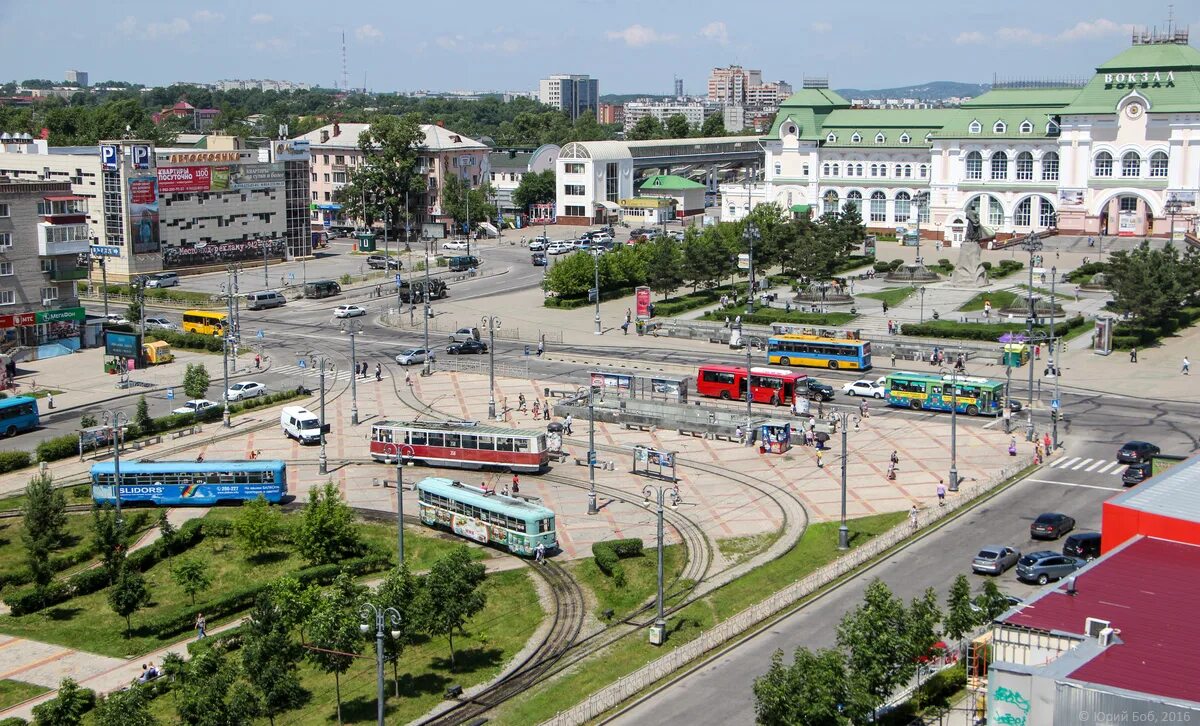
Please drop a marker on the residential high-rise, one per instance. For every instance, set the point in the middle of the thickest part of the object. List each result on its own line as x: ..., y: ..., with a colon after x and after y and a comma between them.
x: 575, y: 95
x: 678, y: 88
x: 79, y: 77
x: 729, y: 85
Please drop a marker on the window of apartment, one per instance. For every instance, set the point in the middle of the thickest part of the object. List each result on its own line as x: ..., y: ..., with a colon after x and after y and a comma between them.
x: 314, y: 176
x: 878, y: 207
x: 1050, y: 166
x: 855, y: 199
x: 339, y: 159
x: 1158, y: 164
x: 836, y: 170
x: 1024, y: 213
x: 999, y: 127
x: 924, y: 170
x: 874, y: 170
x: 574, y: 190
x: 1047, y: 214
x: 574, y: 210
x: 1129, y: 204
x: 573, y: 168
x: 974, y: 165
x: 612, y: 182
x: 975, y: 128
x: 327, y: 177
x: 1103, y: 165
x: 778, y: 168
x: 324, y: 158
x: 858, y: 170
x: 1131, y: 164
x: 49, y: 293
x: 995, y: 212
x: 804, y: 170
x: 1024, y: 166
x: 47, y: 264
x: 327, y: 196
x: 905, y: 138
x: 4, y: 210
x: 831, y: 201
x: 314, y: 196
x: 999, y: 165
x: 7, y: 297
x: 5, y: 240
x: 339, y: 177
x: 6, y: 269
x: 856, y: 138
x: 908, y: 171
x: 903, y: 206
x: 880, y: 138
x: 831, y: 138
x: 1026, y: 127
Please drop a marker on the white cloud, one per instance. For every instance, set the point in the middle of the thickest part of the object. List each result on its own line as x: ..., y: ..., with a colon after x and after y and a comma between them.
x: 1083, y: 30
x: 273, y: 44
x: 168, y: 29
x: 639, y: 35
x: 970, y: 38
x: 1095, y: 29
x: 128, y: 25
x: 448, y: 42
x: 716, y: 31
x: 368, y: 32
x: 1009, y: 36
x: 261, y: 18
x: 508, y: 46
x: 207, y: 16
x: 821, y: 27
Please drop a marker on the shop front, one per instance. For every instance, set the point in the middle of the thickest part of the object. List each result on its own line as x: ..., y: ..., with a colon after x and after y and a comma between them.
x: 42, y: 333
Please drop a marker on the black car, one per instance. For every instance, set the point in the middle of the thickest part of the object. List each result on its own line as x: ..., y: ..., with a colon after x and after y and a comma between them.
x: 1135, y: 452
x: 818, y: 391
x: 538, y: 259
x: 1136, y: 473
x: 379, y: 262
x: 1014, y: 405
x: 1084, y: 545
x: 466, y: 347
x: 1051, y: 525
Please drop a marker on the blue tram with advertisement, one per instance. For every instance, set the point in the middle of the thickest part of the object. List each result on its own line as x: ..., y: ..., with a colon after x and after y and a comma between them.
x: 514, y: 523
x: 189, y: 483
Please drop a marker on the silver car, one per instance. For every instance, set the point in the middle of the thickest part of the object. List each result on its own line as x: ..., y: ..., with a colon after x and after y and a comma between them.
x: 994, y: 559
x: 1042, y: 567
x: 415, y: 355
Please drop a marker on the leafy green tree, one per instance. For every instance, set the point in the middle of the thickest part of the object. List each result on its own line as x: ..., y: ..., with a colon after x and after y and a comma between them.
x: 698, y: 259
x: 664, y: 267
x: 451, y: 595
x: 455, y: 193
x: 714, y: 125
x: 327, y: 532
x: 141, y: 416
x: 991, y: 602
x: 269, y: 658
x: 875, y: 636
x: 399, y: 590
x: 923, y: 618
x: 333, y: 631
x: 128, y: 707
x: 809, y: 692
x: 960, y: 618
x: 133, y: 312
x: 167, y: 532
x: 45, y: 519
x: 1152, y: 284
x: 108, y: 539
x: 647, y: 127
x: 214, y: 693
x: 258, y: 526
x: 773, y: 229
x: 677, y: 126
x: 392, y: 149
x: 293, y: 601
x: 196, y: 380
x: 128, y: 595
x: 66, y: 708
x: 87, y: 421
x: 192, y: 576
x: 536, y: 187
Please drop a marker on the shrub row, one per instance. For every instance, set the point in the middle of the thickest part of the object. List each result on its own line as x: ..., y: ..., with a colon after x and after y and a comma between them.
x: 152, y: 293
x: 779, y: 316
x: 58, y: 563
x: 983, y: 331
x: 188, y: 341
x: 13, y: 460
x: 608, y: 553
x: 1129, y: 335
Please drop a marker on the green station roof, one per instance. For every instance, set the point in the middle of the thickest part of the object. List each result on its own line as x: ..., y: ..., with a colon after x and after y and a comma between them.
x: 669, y: 183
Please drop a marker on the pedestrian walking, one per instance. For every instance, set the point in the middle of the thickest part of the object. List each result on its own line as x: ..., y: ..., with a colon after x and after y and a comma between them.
x: 50, y: 400
x: 625, y: 327
x: 521, y: 403
x: 546, y: 411
x: 567, y: 425
x: 912, y: 517
x: 885, y: 307
x: 820, y: 460
x: 941, y: 493
x: 1046, y: 442
x: 891, y: 472
x: 1133, y: 355
x: 541, y: 347
x: 408, y: 379
x: 378, y: 372
x: 257, y: 361
x: 540, y: 553
x: 516, y: 483
x: 893, y: 359
x: 1187, y: 366
x: 628, y: 315
x: 863, y: 410
x: 1012, y: 446
x: 201, y: 626
x: 537, y: 409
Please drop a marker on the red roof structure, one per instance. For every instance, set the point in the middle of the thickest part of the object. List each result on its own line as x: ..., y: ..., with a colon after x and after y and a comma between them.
x: 1148, y: 590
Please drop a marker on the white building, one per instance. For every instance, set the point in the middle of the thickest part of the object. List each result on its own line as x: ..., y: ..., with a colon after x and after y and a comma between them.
x: 78, y: 77
x: 507, y: 168
x: 695, y: 113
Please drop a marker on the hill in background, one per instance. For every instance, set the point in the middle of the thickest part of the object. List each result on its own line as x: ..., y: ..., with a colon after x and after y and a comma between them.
x: 935, y: 90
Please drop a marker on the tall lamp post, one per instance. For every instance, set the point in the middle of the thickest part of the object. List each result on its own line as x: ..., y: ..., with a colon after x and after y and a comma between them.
x: 749, y: 342
x: 322, y: 461
x: 921, y: 200
x: 658, y: 631
x: 1031, y: 245
x: 1172, y: 207
x: 400, y: 451
x: 1053, y: 359
x: 351, y: 326
x: 843, y: 530
x: 226, y: 339
x: 954, y: 425
x: 492, y: 322
x: 592, y: 508
x: 381, y: 615
x: 113, y: 419
x: 425, y: 294
x: 921, y: 290
x: 749, y: 234
x: 596, y: 282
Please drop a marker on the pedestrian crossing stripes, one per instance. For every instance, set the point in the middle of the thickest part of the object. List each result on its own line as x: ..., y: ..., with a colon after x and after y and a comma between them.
x: 294, y: 370
x: 1094, y: 466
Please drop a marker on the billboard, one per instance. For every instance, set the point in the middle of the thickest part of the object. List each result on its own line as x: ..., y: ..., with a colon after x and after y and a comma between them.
x: 192, y: 254
x: 143, y: 214
x: 295, y: 150
x: 254, y: 176
x: 1127, y: 224
x: 172, y: 179
x: 122, y: 345
x: 643, y: 302
x: 188, y: 179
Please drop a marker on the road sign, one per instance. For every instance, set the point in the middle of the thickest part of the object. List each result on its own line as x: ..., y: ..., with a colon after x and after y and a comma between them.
x: 302, y: 363
x: 1054, y: 403
x: 591, y: 294
x: 292, y: 276
x: 259, y: 334
x: 743, y: 262
x: 105, y: 250
x: 170, y: 394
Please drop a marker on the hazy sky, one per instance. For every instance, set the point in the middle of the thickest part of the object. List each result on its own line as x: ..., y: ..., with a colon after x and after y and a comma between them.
x: 630, y: 45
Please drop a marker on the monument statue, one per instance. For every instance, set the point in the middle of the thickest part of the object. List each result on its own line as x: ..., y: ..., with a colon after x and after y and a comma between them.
x: 969, y: 271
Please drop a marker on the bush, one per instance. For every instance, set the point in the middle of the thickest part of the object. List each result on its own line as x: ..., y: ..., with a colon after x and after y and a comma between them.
x: 779, y: 316
x: 608, y: 554
x: 985, y: 264
x: 59, y: 447
x: 188, y: 341
x: 943, y: 262
x: 13, y: 721
x: 881, y: 266
x: 1127, y: 335
x: 13, y: 460
x: 38, y: 598
x: 983, y: 331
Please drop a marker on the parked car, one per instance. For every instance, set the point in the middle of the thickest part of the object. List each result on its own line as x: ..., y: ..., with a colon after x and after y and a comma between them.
x: 1014, y: 405
x: 463, y: 334
x: 538, y: 259
x: 559, y: 248
x: 116, y: 319
x: 455, y: 245
x: 349, y: 311
x: 462, y: 263
x: 160, y: 324
x: 466, y: 347
x: 246, y: 389
x: 994, y: 559
x: 1084, y: 545
x: 163, y: 279
x: 379, y: 262
x: 1042, y: 567
x: 1136, y: 473
x: 539, y: 244
x: 1135, y: 452
x: 863, y: 388
x: 818, y: 391
x: 414, y: 355
x: 1051, y: 525
x: 601, y: 237
x: 195, y: 406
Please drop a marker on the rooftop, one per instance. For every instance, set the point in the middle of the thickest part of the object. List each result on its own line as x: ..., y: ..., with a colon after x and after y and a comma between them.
x: 1174, y: 493
x: 669, y: 183
x: 437, y: 138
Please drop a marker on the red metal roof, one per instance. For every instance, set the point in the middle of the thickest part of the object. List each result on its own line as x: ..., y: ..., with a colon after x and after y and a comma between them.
x: 1148, y: 591
x: 63, y: 198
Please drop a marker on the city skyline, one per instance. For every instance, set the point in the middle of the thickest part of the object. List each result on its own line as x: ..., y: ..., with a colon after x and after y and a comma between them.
x: 158, y: 44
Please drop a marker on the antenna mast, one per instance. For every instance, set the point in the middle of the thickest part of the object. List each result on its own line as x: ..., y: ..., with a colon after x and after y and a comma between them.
x: 345, y: 73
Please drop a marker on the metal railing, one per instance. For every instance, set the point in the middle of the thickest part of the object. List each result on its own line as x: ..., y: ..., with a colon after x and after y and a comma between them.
x: 479, y: 365
x: 402, y: 320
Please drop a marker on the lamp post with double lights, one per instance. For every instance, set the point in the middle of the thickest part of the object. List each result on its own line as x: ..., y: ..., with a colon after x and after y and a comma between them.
x: 1173, y: 207
x: 1031, y: 245
x: 400, y: 451
x: 592, y: 508
x: 351, y: 326
x: 382, y: 617
x: 749, y: 390
x: 953, y: 372
x: 492, y: 322
x: 921, y: 290
x: 921, y: 200
x: 1053, y: 356
x: 749, y: 234
x: 658, y: 631
x: 112, y: 419
x: 596, y: 282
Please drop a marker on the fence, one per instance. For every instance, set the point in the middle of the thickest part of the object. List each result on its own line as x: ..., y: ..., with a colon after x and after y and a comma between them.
x: 630, y: 685
x: 413, y: 322
x: 478, y: 364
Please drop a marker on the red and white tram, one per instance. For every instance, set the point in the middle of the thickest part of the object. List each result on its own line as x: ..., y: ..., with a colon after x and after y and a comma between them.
x: 459, y: 444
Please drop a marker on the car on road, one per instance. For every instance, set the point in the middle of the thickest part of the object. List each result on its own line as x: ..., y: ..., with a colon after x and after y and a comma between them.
x: 1051, y: 525
x: 455, y: 245
x: 116, y: 319
x: 1135, y: 452
x: 1136, y: 473
x: 349, y: 311
x: 246, y: 389
x: 466, y: 347
x: 817, y: 391
x: 539, y: 244
x: 1042, y: 567
x: 379, y: 262
x: 994, y: 559
x: 463, y: 334
x: 601, y: 237
x: 1014, y: 405
x: 1084, y: 545
x: 160, y: 324
x: 559, y: 248
x: 538, y: 259
x: 414, y: 355
x: 195, y: 406
x: 163, y: 279
x: 864, y: 387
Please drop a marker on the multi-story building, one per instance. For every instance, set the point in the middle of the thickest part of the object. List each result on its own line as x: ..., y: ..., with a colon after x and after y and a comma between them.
x: 507, y: 168
x: 198, y: 119
x: 335, y: 154
x: 78, y: 77
x: 611, y: 113
x: 1102, y: 158
x: 695, y: 113
x: 768, y: 94
x: 729, y: 86
x: 43, y: 232
x: 575, y: 95
x: 262, y: 85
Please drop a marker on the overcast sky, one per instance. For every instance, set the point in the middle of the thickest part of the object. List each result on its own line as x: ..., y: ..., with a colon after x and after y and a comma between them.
x: 630, y: 45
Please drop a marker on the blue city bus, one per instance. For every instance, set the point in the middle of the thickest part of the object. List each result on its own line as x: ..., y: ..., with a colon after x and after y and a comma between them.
x: 190, y: 483
x: 18, y: 414
x: 515, y: 523
x: 818, y: 351
x: 936, y: 392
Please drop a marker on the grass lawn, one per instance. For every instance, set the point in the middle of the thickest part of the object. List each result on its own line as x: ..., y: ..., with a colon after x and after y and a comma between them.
x: 89, y: 624
x: 740, y: 549
x: 13, y: 692
x: 816, y: 548
x: 893, y: 296
x: 641, y: 579
x: 999, y: 298
x: 775, y: 315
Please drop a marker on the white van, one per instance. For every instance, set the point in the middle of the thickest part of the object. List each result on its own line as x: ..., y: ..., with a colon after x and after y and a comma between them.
x: 301, y: 424
x: 264, y: 299
x: 163, y: 279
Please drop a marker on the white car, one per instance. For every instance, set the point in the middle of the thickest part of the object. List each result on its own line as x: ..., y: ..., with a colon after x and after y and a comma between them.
x: 864, y: 387
x: 160, y: 324
x: 601, y: 237
x: 246, y: 389
x: 559, y: 248
x: 455, y: 245
x: 538, y: 244
x: 116, y: 319
x: 196, y: 406
x: 413, y: 355
x: 349, y: 311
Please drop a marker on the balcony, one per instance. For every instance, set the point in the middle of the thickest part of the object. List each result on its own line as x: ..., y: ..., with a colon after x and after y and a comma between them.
x: 62, y: 239
x: 73, y: 273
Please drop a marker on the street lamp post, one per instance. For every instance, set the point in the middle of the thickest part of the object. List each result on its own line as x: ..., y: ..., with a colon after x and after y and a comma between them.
x: 749, y: 342
x: 921, y: 290
x: 351, y: 327
x: 1031, y: 245
x: 592, y: 508
x: 381, y: 615
x: 114, y: 429
x: 227, y: 335
x: 843, y: 530
x: 492, y: 322
x: 658, y: 632
x: 921, y: 199
x: 1173, y: 206
x: 1053, y: 360
x: 400, y: 451
x: 749, y: 235
x: 322, y: 461
x: 954, y: 426
x: 596, y: 282
x: 266, y: 272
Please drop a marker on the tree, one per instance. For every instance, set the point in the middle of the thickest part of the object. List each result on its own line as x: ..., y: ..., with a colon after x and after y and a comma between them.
x: 108, y: 539
x: 991, y: 602
x: 66, y: 708
x: 923, y: 618
x: 391, y: 146
x: 1152, y: 284
x: 141, y: 416
x: 809, y: 692
x: 167, y: 532
x: 257, y: 526
x: 536, y: 187
x: 875, y: 638
x: 647, y: 127
x: 213, y: 693
x: 333, y: 631
x: 714, y: 125
x: 133, y: 312
x: 664, y: 269
x: 191, y: 574
x: 269, y: 658
x: 327, y: 532
x: 44, y: 519
x: 195, y: 380
x: 128, y: 595
x: 455, y: 193
x: 399, y: 590
x: 677, y: 126
x: 293, y: 601
x: 129, y: 707
x: 960, y: 617
x: 451, y: 594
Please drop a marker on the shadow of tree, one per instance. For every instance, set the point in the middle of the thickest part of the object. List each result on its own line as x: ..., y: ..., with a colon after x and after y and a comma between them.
x: 421, y: 684
x: 62, y: 613
x: 469, y: 660
x: 268, y: 558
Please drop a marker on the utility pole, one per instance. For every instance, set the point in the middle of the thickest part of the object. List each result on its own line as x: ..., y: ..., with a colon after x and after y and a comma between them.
x: 843, y: 530
x: 592, y: 508
x: 1032, y: 245
x: 492, y: 322
x: 399, y: 450
x: 425, y: 294
x: 104, y: 284
x: 1053, y: 358
x: 468, y: 214
x: 658, y: 632
x: 749, y: 234
x: 596, y: 282
x: 351, y: 327
x: 227, y: 335
x: 322, y: 462
x: 266, y: 273
x: 389, y: 614
x: 954, y: 425
x: 750, y: 342
x: 115, y: 431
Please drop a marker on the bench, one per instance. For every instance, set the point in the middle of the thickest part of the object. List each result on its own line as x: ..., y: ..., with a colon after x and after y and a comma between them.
x: 185, y: 432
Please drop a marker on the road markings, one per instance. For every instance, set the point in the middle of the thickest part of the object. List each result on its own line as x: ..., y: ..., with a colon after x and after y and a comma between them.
x: 1072, y: 484
x: 1077, y: 463
x: 293, y: 370
x: 1093, y: 466
x: 1107, y: 466
x: 1064, y: 463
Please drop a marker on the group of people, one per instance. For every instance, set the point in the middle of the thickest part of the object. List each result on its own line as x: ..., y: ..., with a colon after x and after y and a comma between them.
x: 149, y: 673
x: 491, y: 490
x: 361, y: 369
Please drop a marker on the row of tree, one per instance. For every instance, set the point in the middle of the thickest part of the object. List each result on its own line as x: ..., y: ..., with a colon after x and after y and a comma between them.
x: 1153, y: 284
x: 880, y: 645
x: 675, y: 127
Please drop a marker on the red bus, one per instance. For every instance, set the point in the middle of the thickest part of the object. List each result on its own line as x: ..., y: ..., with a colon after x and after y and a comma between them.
x: 460, y: 444
x: 776, y: 386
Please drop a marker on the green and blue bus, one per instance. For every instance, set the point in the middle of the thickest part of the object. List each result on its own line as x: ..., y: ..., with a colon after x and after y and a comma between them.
x: 18, y: 414
x: 818, y: 351
x: 935, y: 392
x: 514, y: 523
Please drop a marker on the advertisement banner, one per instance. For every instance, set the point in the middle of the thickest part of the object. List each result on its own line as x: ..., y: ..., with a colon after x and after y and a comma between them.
x: 110, y: 157
x: 192, y: 254
x: 143, y: 214
x: 65, y: 315
x: 470, y: 528
x: 293, y: 150
x: 1102, y: 336
x: 172, y: 179
x: 1128, y: 224
x: 257, y: 176
x: 643, y: 302
x: 122, y: 345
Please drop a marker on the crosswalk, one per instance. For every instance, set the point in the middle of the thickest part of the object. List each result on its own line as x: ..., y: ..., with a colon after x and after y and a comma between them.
x: 295, y: 370
x: 1089, y: 466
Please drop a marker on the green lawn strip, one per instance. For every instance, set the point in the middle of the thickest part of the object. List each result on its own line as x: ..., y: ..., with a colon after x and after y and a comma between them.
x: 641, y: 579
x: 13, y: 692
x: 999, y: 298
x: 816, y: 548
x: 774, y: 315
x: 892, y: 296
x: 739, y: 549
